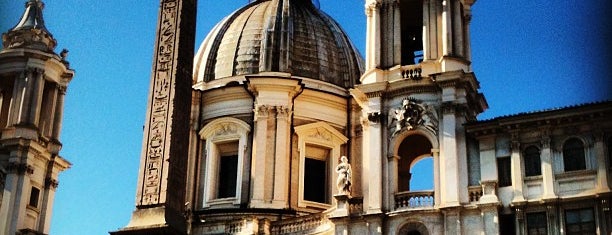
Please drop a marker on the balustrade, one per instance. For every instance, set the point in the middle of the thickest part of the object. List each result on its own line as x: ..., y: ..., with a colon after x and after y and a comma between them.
x: 300, y: 225
x: 475, y: 192
x: 416, y: 199
x: 412, y: 71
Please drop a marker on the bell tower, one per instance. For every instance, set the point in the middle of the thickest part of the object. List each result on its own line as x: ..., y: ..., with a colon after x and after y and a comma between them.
x: 432, y: 33
x: 33, y: 82
x: 418, y: 86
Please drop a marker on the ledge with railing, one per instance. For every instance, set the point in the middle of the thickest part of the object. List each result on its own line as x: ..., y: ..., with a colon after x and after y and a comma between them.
x: 413, y: 71
x: 475, y: 192
x: 415, y: 200
x: 303, y: 225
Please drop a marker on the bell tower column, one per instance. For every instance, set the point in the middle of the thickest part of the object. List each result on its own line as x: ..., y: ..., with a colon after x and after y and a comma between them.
x: 160, y: 196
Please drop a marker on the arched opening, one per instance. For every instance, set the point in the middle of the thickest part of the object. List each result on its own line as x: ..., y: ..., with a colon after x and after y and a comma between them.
x: 415, y: 167
x: 413, y: 228
x: 411, y: 13
x: 422, y: 174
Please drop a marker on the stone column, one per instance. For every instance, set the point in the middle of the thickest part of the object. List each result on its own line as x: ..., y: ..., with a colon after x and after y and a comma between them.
x: 59, y: 113
x: 447, y: 28
x: 458, y: 43
x: 548, y: 183
x: 436, y: 167
x: 373, y: 34
x: 36, y: 97
x: 432, y: 27
x: 19, y: 90
x: 47, y: 117
x: 397, y: 34
x: 466, y: 26
x: 516, y: 170
x: 394, y: 181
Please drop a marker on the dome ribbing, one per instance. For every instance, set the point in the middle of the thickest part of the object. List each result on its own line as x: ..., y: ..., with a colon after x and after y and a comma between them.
x: 290, y: 36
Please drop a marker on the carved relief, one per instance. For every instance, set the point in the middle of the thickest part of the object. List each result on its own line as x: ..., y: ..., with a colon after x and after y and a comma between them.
x: 414, y: 113
x: 156, y: 142
x: 321, y: 134
x: 226, y: 129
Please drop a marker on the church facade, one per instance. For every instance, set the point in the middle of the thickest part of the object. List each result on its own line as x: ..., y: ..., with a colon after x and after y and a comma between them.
x: 276, y: 125
x: 33, y: 83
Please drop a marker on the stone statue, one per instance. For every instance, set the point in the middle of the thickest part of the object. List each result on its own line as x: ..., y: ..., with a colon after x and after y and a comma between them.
x: 344, y: 176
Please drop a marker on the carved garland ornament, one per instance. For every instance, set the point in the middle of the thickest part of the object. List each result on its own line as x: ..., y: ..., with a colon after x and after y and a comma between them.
x: 413, y: 113
x: 156, y: 141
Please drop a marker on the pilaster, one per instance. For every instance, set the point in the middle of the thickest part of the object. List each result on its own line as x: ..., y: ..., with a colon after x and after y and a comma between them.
x: 490, y: 219
x: 274, y: 94
x: 602, y: 163
x: 547, y: 167
x: 516, y: 170
x: 369, y: 97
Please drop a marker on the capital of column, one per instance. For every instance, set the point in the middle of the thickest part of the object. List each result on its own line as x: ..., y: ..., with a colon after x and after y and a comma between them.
x: 371, y: 7
x: 283, y: 112
x: 263, y: 111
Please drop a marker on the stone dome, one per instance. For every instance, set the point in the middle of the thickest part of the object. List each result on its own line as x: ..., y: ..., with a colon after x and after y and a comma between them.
x: 291, y: 36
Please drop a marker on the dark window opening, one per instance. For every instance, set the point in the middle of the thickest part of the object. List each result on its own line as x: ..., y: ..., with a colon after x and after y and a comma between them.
x: 533, y: 164
x: 315, y: 180
x: 580, y: 221
x: 503, y: 171
x: 506, y: 224
x: 573, y: 155
x: 228, y: 172
x: 411, y: 12
x: 34, y: 194
x: 537, y: 224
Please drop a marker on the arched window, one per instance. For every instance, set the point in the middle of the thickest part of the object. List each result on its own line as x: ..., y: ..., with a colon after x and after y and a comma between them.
x: 573, y: 155
x: 531, y: 156
x: 411, y: 150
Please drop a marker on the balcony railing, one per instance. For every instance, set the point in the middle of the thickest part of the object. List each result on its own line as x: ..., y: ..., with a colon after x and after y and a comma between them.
x: 475, y: 192
x: 414, y: 200
x: 412, y: 71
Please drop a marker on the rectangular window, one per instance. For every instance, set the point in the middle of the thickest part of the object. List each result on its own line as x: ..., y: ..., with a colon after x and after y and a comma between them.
x: 34, y: 194
x: 503, y: 171
x: 580, y: 221
x: 315, y: 178
x: 506, y: 224
x: 537, y: 224
x: 316, y: 174
x: 228, y: 169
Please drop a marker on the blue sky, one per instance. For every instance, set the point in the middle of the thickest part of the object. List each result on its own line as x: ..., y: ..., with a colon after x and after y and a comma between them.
x: 527, y: 54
